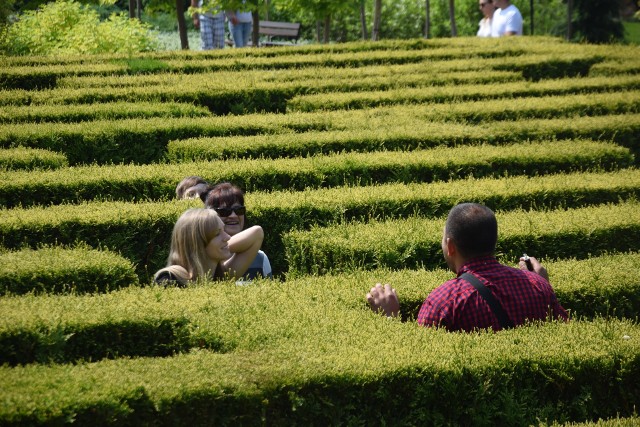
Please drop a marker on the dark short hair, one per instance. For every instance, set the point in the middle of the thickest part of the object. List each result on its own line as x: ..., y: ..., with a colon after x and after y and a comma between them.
x: 187, y: 183
x: 224, y: 194
x: 473, y: 228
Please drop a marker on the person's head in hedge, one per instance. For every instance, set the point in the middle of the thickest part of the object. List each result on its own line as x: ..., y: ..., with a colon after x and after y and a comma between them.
x: 227, y: 200
x: 201, y: 249
x: 192, y: 187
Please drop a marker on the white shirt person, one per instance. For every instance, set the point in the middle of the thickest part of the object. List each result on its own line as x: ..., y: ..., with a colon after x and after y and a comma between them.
x: 507, y: 20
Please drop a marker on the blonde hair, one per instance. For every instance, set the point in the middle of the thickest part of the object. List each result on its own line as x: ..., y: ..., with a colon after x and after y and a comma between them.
x: 191, y: 234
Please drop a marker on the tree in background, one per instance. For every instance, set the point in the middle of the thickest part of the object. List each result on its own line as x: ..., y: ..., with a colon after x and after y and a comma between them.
x: 377, y: 17
x: 452, y: 18
x: 597, y: 21
x: 321, y: 12
x: 6, y: 9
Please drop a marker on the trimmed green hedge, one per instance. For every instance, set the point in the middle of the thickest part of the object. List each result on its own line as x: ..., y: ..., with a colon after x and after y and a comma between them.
x: 57, y: 270
x: 568, y: 61
x: 30, y: 159
x: 134, y: 182
x: 109, y: 111
x: 474, y: 92
x: 631, y: 421
x: 332, y: 366
x: 433, y: 73
x: 141, y: 231
x: 416, y: 242
x: 400, y: 128
x: 156, y: 322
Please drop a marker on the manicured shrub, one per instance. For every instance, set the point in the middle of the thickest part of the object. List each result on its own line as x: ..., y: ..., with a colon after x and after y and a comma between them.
x: 29, y: 159
x: 553, y: 234
x: 140, y: 231
x: 66, y: 27
x: 156, y: 182
x: 57, y: 270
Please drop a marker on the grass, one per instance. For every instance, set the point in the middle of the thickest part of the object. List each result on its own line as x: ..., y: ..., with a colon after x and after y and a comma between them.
x: 170, y: 40
x: 632, y: 32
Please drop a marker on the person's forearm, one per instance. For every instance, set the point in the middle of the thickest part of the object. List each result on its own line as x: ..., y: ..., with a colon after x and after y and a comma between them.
x: 246, y: 239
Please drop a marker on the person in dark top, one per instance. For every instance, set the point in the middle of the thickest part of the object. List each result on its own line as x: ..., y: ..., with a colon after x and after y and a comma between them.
x: 468, y: 244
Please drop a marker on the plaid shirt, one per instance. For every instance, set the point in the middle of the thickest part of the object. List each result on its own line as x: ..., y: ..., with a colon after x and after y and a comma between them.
x: 457, y: 305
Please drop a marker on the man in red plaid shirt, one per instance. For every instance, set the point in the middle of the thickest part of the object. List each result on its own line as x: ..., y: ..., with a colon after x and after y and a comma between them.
x: 468, y: 244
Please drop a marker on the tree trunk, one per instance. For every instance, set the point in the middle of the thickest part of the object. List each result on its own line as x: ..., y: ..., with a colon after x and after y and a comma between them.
x: 327, y: 28
x: 531, y: 10
x: 132, y: 8
x: 139, y: 9
x: 182, y: 25
x: 569, y: 19
x: 363, y: 20
x: 255, y: 32
x: 452, y: 18
x: 377, y: 17
x: 266, y: 13
x: 427, y: 20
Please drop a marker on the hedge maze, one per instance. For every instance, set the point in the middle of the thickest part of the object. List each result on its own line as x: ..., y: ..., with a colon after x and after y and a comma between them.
x: 351, y: 156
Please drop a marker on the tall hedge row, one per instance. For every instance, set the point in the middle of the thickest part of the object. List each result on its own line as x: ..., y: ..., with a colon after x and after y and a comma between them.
x: 351, y: 156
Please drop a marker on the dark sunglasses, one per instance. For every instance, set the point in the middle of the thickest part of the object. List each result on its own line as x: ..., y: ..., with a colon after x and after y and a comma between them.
x: 239, y: 210
x: 483, y: 4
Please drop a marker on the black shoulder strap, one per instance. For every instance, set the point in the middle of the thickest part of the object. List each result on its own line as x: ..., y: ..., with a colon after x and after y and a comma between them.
x: 494, y: 304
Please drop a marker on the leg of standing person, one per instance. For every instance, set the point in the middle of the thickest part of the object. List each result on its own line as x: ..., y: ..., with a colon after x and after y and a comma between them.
x: 206, y: 32
x: 247, y: 28
x: 218, y: 31
x: 236, y: 33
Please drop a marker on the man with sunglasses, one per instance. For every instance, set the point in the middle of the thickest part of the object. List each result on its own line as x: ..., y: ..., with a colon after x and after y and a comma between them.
x: 228, y: 201
x: 507, y: 20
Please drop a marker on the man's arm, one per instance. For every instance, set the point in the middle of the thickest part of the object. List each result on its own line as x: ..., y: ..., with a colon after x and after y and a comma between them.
x: 384, y: 299
x: 196, y: 17
x: 537, y: 267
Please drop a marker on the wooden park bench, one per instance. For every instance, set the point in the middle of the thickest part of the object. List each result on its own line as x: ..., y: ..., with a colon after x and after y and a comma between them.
x: 286, y: 30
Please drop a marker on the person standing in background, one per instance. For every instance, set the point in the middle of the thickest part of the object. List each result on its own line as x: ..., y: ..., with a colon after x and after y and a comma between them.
x: 240, y: 26
x: 211, y: 25
x: 507, y: 20
x: 487, y: 8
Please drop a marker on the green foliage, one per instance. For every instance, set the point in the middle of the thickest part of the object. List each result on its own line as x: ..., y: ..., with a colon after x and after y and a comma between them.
x: 554, y: 234
x: 207, y: 315
x: 155, y: 182
x: 463, y: 54
x: 330, y: 361
x: 140, y: 231
x: 66, y: 27
x: 145, y: 65
x: 390, y: 128
x: 56, y: 270
x: 307, y: 350
x: 104, y: 111
x: 30, y: 159
x: 598, y: 21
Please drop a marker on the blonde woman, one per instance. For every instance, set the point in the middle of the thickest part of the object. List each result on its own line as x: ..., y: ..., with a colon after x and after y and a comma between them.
x: 201, y: 249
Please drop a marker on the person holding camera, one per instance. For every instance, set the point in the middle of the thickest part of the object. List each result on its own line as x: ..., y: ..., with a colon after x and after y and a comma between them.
x: 485, y: 293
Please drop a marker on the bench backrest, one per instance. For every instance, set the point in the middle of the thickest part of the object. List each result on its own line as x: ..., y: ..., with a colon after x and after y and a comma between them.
x: 280, y: 29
